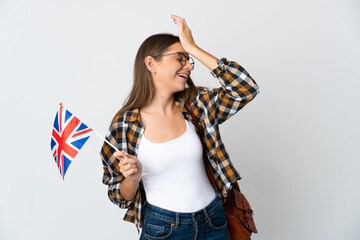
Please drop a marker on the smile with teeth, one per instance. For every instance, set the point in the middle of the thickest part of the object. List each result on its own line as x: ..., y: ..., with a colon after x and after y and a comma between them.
x: 183, y: 76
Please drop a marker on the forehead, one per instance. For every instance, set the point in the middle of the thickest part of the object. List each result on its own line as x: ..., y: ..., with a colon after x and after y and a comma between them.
x: 177, y: 47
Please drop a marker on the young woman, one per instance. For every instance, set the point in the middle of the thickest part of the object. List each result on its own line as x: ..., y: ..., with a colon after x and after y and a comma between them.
x: 159, y: 174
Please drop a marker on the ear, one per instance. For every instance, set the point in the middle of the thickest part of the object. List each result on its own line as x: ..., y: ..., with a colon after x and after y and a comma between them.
x: 150, y: 64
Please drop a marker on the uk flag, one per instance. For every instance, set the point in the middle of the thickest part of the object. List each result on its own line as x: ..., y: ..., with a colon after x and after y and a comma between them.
x: 68, y: 136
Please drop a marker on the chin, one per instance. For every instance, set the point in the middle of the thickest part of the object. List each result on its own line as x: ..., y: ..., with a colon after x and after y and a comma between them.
x: 184, y: 87
x: 181, y: 89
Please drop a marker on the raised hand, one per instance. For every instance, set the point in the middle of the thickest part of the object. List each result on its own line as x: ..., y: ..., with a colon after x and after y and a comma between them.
x: 186, y: 38
x: 187, y: 42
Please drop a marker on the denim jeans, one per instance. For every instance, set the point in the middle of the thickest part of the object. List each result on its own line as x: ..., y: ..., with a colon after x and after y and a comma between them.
x: 208, y: 223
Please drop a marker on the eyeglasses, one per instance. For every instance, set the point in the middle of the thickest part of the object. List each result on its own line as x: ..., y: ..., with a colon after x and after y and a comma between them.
x: 182, y: 58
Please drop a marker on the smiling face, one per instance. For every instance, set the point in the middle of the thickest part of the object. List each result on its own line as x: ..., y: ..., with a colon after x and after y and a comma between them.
x: 168, y: 72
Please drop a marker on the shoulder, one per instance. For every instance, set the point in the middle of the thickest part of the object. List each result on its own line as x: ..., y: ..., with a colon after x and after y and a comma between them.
x: 124, y: 118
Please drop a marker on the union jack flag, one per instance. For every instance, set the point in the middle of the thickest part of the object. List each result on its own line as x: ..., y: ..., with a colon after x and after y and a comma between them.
x: 68, y: 137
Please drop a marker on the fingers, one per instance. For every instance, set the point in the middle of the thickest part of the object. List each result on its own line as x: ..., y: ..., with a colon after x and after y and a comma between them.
x: 184, y: 31
x: 128, y: 169
x: 179, y: 21
x: 120, y: 154
x: 125, y: 158
x: 177, y: 18
x: 127, y: 164
x: 129, y: 160
x: 130, y: 172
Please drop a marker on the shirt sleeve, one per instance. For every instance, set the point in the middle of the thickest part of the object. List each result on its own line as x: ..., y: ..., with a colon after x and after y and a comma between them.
x: 237, y: 89
x: 112, y: 175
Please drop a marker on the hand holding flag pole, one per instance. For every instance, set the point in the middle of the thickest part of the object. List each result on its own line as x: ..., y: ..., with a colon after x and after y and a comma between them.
x: 68, y: 137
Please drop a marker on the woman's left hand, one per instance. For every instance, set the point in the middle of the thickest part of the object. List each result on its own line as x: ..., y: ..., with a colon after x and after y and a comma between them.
x: 186, y: 38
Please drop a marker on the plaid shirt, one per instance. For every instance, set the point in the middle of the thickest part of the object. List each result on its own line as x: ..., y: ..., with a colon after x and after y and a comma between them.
x: 211, y: 108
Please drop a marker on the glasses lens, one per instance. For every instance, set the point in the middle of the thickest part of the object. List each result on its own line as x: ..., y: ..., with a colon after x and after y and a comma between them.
x: 184, y: 58
x: 191, y: 61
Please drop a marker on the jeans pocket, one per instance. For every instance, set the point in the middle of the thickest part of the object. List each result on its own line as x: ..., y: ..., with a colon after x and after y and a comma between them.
x: 217, y: 219
x: 157, y: 228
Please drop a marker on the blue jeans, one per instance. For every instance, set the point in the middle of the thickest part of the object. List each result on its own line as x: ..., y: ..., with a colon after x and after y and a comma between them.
x: 208, y: 223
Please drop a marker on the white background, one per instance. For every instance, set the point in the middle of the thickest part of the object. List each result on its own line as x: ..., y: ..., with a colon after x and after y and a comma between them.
x: 296, y: 145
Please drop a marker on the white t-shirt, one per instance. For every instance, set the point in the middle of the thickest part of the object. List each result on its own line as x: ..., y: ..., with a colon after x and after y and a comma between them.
x: 174, y: 174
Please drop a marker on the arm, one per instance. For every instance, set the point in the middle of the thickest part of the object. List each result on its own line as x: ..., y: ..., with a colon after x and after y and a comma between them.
x: 131, y: 169
x: 112, y: 175
x: 204, y: 57
x: 128, y: 189
x: 237, y: 89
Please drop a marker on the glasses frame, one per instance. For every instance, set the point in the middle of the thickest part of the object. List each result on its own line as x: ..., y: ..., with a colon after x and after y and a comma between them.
x: 183, y: 61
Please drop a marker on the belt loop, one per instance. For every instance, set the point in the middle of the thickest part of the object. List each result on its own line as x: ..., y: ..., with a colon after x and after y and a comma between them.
x: 206, y: 214
x: 177, y: 220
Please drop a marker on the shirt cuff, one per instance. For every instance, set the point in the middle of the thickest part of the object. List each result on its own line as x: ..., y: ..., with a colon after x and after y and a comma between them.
x: 217, y: 72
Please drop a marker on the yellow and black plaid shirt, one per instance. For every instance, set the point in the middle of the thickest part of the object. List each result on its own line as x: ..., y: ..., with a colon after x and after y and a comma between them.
x: 211, y: 108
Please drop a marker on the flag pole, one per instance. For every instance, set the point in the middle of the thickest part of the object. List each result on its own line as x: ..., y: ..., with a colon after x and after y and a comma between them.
x: 106, y: 141
x: 100, y: 136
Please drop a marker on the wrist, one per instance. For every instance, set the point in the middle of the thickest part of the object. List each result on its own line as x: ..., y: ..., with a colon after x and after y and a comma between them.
x: 204, y: 57
x: 193, y: 49
x: 133, y: 182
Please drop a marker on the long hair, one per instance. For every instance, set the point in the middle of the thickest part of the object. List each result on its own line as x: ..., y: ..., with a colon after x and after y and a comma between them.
x: 143, y: 88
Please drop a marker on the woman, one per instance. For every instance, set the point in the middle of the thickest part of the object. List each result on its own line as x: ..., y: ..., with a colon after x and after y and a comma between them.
x: 159, y: 175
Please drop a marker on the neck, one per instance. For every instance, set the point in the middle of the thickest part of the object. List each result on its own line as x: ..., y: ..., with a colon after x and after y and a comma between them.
x: 161, y: 104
